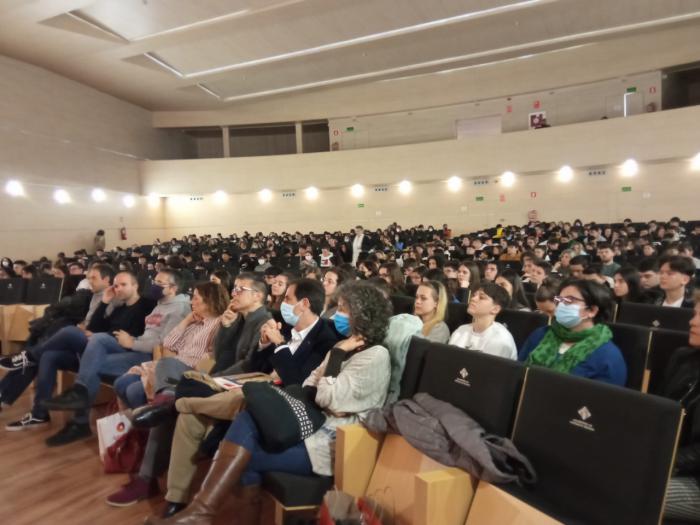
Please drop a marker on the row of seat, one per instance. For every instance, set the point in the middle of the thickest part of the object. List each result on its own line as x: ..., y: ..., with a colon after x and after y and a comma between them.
x: 41, y: 290
x: 603, y: 454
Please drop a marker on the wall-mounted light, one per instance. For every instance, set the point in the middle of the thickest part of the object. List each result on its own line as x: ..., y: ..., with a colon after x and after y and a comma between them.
x: 565, y: 174
x: 508, y: 178
x: 629, y: 168
x: 14, y: 188
x: 405, y: 187
x: 98, y: 195
x: 454, y: 183
x: 311, y: 193
x: 265, y: 195
x: 61, y: 196
x: 357, y: 190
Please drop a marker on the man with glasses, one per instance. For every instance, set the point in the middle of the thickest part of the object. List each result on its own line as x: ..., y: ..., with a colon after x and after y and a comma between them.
x: 114, y: 353
x: 240, y: 326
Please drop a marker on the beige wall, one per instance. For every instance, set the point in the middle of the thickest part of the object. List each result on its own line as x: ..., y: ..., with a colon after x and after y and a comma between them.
x: 583, y: 62
x: 662, y: 141
x: 56, y: 132
x: 583, y: 103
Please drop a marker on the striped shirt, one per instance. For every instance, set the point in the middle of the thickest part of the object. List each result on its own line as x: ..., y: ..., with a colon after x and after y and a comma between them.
x: 192, y: 343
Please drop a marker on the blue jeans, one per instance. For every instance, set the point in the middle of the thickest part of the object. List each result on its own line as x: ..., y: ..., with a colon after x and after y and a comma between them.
x: 129, y: 389
x: 244, y: 432
x: 51, y: 362
x: 68, y: 339
x: 104, y: 355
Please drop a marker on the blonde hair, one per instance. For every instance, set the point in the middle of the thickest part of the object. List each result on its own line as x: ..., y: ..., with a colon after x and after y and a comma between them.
x: 437, y: 289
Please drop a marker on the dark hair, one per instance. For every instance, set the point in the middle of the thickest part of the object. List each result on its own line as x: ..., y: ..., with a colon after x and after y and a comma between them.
x: 518, y: 300
x: 541, y: 263
x: 648, y: 264
x: 105, y: 270
x: 579, y: 260
x: 214, y: 295
x: 603, y: 246
x: 396, y: 277
x: 594, y: 294
x: 273, y: 271
x: 548, y: 289
x: 680, y: 264
x: 631, y: 276
x: 224, y: 276
x: 369, y: 310
x: 474, y: 274
x: 175, y: 277
x: 497, y: 293
x: 310, y: 289
x: 132, y: 275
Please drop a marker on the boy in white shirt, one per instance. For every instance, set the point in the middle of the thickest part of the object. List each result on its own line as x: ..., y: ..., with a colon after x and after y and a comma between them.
x: 484, y: 334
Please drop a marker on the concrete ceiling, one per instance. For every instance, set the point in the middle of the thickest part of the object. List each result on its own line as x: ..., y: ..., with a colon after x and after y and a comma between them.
x: 209, y: 54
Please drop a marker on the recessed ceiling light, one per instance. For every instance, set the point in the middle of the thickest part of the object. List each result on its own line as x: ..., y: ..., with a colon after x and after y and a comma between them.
x: 311, y: 193
x: 129, y: 201
x: 265, y: 195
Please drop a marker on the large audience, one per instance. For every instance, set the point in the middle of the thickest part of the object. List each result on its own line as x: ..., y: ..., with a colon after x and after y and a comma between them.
x: 315, y: 310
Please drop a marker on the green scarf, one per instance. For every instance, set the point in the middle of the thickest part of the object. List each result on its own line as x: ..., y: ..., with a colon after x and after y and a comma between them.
x: 546, y: 353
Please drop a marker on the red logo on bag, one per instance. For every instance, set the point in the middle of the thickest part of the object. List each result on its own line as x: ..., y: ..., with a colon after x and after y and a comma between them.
x: 120, y: 426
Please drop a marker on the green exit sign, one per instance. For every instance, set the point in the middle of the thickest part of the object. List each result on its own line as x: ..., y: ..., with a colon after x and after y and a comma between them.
x: 350, y: 128
x: 631, y: 89
x: 360, y: 205
x: 479, y: 199
x: 626, y: 188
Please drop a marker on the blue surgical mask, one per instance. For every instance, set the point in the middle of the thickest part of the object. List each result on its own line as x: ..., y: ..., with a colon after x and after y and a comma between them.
x: 287, y: 311
x: 568, y: 315
x: 342, y: 323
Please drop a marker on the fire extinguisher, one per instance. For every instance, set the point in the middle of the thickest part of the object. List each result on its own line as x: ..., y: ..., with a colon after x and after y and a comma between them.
x: 122, y: 233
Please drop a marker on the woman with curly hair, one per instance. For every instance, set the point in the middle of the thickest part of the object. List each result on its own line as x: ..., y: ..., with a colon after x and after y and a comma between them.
x: 352, y: 380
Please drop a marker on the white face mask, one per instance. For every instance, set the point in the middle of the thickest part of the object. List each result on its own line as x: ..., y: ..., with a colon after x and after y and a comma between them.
x: 261, y: 261
x: 308, y: 257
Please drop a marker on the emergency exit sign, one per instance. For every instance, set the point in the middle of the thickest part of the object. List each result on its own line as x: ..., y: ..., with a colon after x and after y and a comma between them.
x: 626, y: 189
x: 360, y: 204
x: 479, y: 199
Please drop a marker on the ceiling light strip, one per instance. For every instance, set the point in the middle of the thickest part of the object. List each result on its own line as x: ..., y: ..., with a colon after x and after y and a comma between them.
x: 480, y: 54
x: 163, y: 63
x: 209, y: 91
x: 373, y: 37
x: 217, y: 20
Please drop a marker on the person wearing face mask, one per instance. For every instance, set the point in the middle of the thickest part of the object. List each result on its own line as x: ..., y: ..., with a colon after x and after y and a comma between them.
x: 577, y: 342
x: 262, y: 263
x: 294, y: 350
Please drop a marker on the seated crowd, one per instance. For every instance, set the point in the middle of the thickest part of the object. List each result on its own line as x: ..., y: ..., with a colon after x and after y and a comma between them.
x: 315, y: 310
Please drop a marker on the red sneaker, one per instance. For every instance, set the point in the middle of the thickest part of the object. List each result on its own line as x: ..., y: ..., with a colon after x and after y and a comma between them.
x: 136, y: 490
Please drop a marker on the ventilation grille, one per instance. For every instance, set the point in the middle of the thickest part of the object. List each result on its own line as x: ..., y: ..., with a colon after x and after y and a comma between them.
x: 289, y: 194
x: 196, y: 198
x: 480, y: 182
x: 597, y: 172
x: 381, y: 189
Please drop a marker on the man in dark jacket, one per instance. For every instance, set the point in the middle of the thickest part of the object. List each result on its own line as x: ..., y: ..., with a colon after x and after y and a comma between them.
x: 121, y: 308
x: 295, y: 350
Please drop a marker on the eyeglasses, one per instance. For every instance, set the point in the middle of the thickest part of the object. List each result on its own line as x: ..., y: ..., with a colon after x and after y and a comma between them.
x: 162, y: 285
x: 241, y: 289
x: 567, y: 300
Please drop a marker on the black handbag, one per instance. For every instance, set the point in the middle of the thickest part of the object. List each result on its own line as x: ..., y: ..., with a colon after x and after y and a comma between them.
x: 284, y: 417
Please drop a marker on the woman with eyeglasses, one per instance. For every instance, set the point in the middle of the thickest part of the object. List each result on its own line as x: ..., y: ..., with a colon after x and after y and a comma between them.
x: 332, y: 279
x: 577, y: 342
